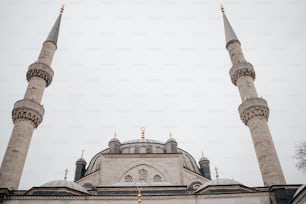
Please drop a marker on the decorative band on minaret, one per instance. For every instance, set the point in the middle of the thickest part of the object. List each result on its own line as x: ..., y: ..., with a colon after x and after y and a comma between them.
x: 28, y: 113
x: 254, y: 111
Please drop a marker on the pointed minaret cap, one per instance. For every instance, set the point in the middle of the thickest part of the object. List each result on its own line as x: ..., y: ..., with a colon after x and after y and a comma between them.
x: 81, y: 159
x: 53, y: 35
x: 230, y: 35
x: 66, y: 173
x: 115, y: 138
x: 217, y: 173
x: 171, y: 139
x: 203, y: 158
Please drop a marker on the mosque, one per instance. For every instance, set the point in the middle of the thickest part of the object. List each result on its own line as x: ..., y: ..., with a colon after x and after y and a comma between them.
x: 145, y: 170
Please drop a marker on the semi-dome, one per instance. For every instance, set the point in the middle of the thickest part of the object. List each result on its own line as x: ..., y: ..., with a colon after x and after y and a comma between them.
x: 143, y: 146
x: 65, y: 183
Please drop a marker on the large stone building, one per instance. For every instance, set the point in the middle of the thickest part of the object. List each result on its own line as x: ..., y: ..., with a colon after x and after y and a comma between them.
x: 145, y: 170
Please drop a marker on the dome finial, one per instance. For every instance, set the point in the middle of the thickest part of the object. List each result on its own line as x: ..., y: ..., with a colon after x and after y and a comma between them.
x: 82, y: 154
x: 115, y: 135
x: 139, y: 196
x: 142, y: 133
x: 222, y: 8
x: 62, y: 9
x: 170, y: 135
x: 66, y: 173
x: 217, y: 173
x: 202, y: 153
x: 53, y: 34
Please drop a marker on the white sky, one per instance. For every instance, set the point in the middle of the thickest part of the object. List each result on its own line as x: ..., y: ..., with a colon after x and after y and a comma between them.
x: 161, y: 64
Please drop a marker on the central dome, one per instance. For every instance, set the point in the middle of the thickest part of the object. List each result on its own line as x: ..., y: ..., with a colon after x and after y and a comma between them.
x: 143, y: 141
x: 144, y: 146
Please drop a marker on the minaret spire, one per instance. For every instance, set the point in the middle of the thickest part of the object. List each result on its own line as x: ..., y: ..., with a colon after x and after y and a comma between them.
x: 53, y: 35
x: 28, y: 113
x: 66, y: 173
x: 217, y: 173
x: 230, y: 35
x: 254, y: 110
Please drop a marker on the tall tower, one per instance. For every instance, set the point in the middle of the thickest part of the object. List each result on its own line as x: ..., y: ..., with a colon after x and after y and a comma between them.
x: 254, y: 111
x: 28, y: 113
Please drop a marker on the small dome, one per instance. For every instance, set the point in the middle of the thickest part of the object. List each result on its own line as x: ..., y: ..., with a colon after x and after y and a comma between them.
x: 171, y: 140
x: 65, y: 183
x: 114, y: 139
x: 203, y: 159
x: 81, y: 160
x: 222, y: 181
x: 219, y: 181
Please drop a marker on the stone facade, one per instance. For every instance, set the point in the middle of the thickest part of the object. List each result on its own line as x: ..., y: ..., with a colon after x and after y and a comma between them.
x: 162, y: 172
x: 211, y: 194
x: 259, y: 198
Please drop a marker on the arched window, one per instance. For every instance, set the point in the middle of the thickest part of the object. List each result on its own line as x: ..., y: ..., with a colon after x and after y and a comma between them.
x: 157, y: 178
x: 128, y: 179
x: 143, y: 175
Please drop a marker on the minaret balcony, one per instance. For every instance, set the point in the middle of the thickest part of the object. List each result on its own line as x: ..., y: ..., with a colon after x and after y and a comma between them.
x: 42, y: 70
x: 253, y: 107
x: 241, y: 69
x: 28, y: 110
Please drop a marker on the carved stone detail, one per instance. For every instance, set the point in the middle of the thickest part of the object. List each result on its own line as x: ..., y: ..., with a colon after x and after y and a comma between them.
x: 41, y: 70
x: 28, y: 110
x: 253, y: 107
x: 242, y: 69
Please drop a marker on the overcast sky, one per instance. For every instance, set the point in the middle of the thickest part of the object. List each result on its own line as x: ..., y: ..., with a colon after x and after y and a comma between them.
x: 159, y: 64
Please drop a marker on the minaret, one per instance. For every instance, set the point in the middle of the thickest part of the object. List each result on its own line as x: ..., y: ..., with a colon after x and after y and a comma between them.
x: 254, y: 110
x: 28, y: 113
